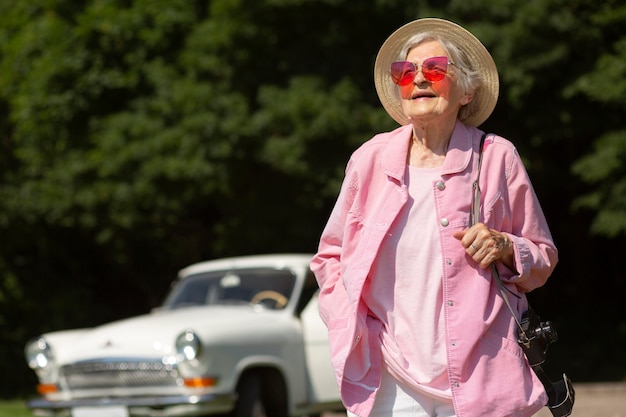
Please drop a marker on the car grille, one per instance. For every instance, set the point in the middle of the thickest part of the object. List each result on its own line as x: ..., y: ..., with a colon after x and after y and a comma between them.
x: 113, y: 374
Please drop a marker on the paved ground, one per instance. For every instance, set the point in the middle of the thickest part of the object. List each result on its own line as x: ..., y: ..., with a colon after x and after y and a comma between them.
x: 597, y: 400
x: 592, y: 400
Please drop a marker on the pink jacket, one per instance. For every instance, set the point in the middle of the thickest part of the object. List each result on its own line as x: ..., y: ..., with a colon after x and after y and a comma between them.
x: 488, y: 373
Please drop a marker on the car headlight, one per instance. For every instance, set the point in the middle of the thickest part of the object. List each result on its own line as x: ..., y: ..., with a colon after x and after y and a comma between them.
x: 188, y: 345
x: 38, y: 353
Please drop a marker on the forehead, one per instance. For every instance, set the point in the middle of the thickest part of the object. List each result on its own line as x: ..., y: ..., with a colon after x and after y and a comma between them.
x: 425, y: 50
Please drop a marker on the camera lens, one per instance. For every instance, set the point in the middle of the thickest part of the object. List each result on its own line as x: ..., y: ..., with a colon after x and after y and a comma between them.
x: 548, y: 332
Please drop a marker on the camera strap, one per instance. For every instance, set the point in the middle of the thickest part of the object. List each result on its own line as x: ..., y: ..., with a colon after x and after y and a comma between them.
x: 474, y: 216
x: 560, y: 393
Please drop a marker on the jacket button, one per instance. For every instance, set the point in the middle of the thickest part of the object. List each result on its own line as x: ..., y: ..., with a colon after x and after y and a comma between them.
x: 445, y: 222
x: 441, y: 185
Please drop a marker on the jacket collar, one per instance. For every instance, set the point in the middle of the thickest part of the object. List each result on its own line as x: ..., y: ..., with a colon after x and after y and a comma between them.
x: 457, y: 158
x: 459, y: 152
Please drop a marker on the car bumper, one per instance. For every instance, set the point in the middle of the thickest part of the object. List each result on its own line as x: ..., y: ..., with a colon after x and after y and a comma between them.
x: 166, y: 406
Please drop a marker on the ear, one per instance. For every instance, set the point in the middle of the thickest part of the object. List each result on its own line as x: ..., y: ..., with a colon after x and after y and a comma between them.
x: 467, y: 98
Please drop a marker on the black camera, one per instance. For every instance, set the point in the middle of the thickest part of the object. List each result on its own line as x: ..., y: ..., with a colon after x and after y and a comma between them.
x: 534, y: 337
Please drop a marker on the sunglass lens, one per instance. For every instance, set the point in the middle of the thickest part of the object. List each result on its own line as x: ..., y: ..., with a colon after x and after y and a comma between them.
x: 403, y: 72
x: 435, y: 68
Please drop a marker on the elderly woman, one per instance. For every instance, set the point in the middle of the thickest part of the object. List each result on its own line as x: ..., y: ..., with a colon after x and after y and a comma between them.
x: 417, y: 324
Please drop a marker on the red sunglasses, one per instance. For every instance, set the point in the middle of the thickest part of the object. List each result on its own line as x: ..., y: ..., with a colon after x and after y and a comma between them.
x: 434, y: 69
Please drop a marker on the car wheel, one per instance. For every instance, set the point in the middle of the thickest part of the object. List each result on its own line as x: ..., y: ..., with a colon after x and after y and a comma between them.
x: 261, y: 393
x: 249, y: 401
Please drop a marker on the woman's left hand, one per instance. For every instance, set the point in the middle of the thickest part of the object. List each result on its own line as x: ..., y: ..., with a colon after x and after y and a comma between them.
x: 486, y: 245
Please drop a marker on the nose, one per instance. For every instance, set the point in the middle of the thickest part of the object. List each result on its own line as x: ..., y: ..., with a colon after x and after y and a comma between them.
x: 419, y: 75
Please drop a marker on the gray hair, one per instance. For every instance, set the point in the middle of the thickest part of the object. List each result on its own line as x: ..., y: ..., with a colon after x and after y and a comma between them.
x: 468, y: 79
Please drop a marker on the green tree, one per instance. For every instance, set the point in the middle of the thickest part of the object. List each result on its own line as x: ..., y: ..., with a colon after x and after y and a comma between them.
x: 605, y: 87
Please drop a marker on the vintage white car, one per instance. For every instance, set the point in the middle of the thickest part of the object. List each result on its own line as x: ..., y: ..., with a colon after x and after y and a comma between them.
x: 240, y: 337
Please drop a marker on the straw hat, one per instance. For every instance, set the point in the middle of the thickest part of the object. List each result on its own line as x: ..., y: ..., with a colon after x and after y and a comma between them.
x: 479, y: 57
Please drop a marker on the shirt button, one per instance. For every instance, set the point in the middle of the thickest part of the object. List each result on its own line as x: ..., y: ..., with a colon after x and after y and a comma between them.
x: 451, y: 303
x: 445, y: 222
x: 441, y: 185
x: 456, y: 384
x: 453, y: 343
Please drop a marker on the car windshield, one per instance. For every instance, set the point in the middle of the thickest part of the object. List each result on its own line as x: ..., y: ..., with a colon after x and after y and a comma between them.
x: 270, y: 288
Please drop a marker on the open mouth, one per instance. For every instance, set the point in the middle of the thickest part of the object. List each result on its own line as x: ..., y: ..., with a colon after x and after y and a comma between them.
x: 420, y: 95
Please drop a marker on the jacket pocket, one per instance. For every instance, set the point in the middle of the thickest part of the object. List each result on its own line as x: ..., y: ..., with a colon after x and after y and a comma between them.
x: 495, y: 343
x: 366, y: 345
x: 500, y: 368
x: 351, y: 349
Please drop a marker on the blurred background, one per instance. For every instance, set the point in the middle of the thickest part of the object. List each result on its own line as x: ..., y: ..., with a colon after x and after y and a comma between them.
x: 137, y: 137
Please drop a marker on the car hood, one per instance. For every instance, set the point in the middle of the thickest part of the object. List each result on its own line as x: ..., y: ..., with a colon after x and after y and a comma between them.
x: 153, y: 335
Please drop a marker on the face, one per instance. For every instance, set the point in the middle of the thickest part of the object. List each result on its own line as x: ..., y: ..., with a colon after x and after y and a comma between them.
x: 423, y: 100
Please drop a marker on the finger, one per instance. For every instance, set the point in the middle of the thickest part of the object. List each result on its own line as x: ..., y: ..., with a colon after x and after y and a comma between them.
x: 475, y: 234
x: 459, y: 234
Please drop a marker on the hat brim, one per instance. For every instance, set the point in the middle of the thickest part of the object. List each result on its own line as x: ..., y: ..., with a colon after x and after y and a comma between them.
x: 487, y: 94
